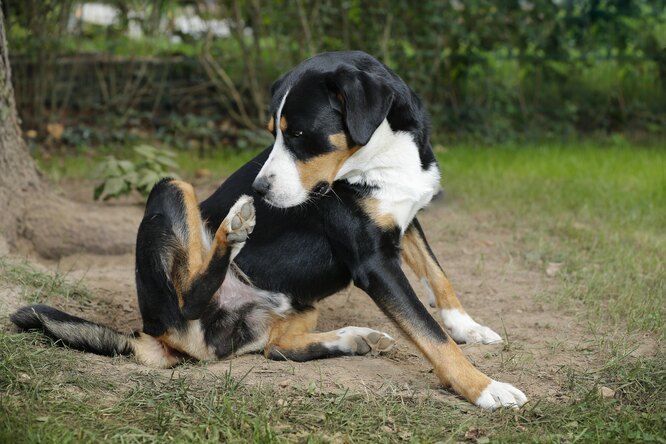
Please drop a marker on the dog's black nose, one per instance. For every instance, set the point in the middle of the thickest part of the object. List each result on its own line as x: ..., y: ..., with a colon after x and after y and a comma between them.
x: 261, y: 185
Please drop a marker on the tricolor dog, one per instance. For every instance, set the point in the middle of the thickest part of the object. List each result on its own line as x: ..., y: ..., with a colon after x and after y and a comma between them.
x: 335, y: 200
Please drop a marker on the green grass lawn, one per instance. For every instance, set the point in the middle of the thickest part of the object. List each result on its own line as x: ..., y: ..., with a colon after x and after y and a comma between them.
x: 598, y: 208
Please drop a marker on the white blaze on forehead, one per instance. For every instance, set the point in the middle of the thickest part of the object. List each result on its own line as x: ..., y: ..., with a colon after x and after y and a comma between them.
x: 280, y: 168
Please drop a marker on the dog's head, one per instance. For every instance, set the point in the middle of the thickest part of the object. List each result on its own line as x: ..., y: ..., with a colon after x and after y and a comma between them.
x: 319, y: 119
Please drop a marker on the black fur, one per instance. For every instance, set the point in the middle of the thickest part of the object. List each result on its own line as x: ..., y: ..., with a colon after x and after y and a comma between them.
x: 156, y: 247
x: 374, y: 92
x: 72, y: 331
x: 307, y: 252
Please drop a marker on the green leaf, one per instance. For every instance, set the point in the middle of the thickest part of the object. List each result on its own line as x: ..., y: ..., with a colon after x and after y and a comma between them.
x: 97, y: 192
x: 167, y: 161
x: 147, y: 151
x: 114, y: 186
x: 125, y: 166
x: 147, y: 179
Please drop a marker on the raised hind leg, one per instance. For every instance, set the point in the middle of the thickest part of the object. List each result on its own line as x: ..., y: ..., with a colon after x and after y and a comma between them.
x: 179, y: 269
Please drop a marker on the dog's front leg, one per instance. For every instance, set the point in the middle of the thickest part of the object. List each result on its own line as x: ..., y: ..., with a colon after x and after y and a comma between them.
x: 382, y: 278
x: 416, y: 253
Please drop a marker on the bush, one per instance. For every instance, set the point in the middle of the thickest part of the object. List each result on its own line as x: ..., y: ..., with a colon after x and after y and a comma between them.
x: 121, y: 177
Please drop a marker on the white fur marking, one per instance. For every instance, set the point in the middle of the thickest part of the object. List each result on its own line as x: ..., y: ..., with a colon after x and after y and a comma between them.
x: 428, y: 289
x: 347, y: 339
x: 465, y: 329
x: 500, y: 394
x: 280, y: 167
x: 390, y: 162
x: 248, y: 225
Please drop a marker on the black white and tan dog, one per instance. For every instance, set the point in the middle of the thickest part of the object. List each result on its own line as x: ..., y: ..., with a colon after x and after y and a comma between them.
x: 335, y: 200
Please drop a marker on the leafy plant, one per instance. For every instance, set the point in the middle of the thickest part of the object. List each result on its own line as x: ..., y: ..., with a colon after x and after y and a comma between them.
x: 121, y: 177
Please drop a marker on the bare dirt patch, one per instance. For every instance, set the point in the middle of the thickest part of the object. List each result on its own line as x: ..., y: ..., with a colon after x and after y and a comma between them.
x: 486, y: 267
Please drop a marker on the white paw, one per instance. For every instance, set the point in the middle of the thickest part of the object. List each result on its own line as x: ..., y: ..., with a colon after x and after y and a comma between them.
x: 240, y: 221
x: 466, y: 330
x: 362, y: 340
x: 500, y: 394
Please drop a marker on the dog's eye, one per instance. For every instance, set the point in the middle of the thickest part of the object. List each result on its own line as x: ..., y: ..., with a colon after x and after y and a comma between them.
x: 296, y: 133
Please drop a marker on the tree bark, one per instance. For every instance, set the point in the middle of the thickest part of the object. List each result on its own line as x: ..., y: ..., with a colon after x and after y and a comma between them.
x: 18, y: 175
x: 29, y: 208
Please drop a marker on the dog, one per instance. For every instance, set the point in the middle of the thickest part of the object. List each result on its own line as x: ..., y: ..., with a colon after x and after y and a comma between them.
x: 335, y: 199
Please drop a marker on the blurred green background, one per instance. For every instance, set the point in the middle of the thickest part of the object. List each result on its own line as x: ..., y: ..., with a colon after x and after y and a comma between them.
x: 196, y: 75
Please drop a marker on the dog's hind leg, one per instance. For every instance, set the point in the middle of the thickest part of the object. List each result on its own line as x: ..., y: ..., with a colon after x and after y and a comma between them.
x: 197, y: 276
x: 416, y: 252
x: 291, y: 338
x: 179, y: 269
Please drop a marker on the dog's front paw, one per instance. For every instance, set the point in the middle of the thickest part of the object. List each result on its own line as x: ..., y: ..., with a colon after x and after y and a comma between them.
x: 500, y: 394
x: 466, y: 330
x: 240, y: 221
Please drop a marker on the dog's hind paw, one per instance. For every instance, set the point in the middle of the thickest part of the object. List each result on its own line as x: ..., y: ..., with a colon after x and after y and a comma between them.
x: 361, y: 341
x: 240, y: 221
x: 500, y: 394
x: 466, y: 330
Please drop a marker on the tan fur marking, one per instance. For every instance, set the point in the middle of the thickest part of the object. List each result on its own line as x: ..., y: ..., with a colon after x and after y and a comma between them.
x: 294, y: 332
x: 452, y: 367
x: 194, y: 242
x: 271, y: 125
x: 341, y: 142
x: 189, y: 341
x: 415, y: 254
x: 152, y: 352
x: 294, y: 324
x: 283, y: 123
x: 197, y: 259
x: 324, y: 168
x: 382, y: 220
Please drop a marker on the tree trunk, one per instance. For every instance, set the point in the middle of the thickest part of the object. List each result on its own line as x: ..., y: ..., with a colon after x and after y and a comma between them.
x: 18, y: 176
x: 29, y: 209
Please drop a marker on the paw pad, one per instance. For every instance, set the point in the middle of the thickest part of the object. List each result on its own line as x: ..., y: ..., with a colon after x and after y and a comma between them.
x: 240, y: 220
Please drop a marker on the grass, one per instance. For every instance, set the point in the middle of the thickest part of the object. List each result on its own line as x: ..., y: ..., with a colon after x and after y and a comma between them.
x: 37, y: 286
x: 599, y: 209
x: 50, y: 395
x: 82, y: 166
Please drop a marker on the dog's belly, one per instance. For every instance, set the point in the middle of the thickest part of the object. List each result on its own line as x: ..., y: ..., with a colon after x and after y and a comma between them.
x: 235, y: 294
x: 239, y: 322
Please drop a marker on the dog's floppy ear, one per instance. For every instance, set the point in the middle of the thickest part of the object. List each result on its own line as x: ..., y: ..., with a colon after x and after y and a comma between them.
x: 363, y: 99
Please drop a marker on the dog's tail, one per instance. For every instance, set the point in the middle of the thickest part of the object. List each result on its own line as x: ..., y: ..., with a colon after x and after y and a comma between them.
x: 74, y: 332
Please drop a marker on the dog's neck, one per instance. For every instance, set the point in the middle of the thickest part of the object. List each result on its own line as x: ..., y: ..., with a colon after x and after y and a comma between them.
x: 390, y: 164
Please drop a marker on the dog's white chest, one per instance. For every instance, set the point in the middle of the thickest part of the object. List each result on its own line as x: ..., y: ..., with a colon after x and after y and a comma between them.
x: 390, y: 163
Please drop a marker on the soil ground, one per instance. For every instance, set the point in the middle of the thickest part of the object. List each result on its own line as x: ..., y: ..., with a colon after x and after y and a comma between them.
x: 494, y: 282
